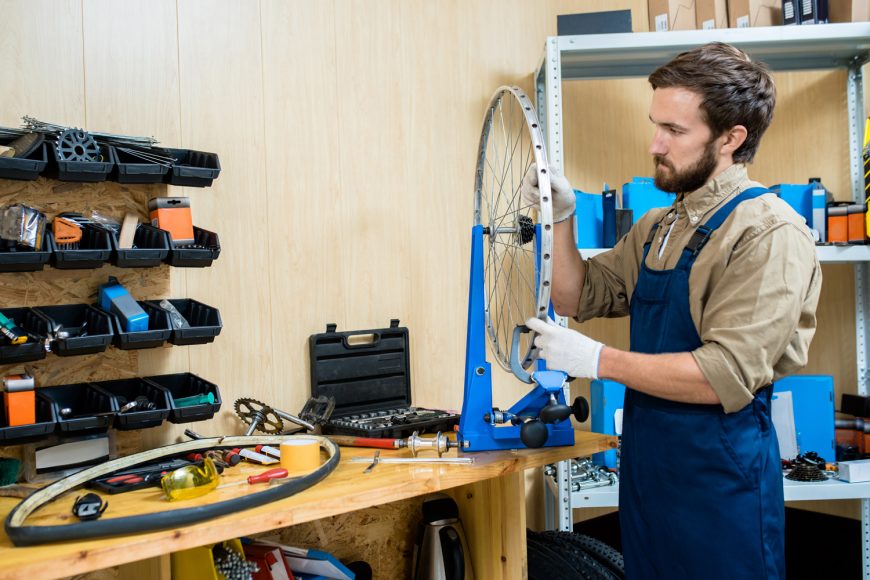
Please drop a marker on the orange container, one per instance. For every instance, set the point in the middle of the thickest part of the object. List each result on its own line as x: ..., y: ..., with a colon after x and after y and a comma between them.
x: 857, y: 223
x: 173, y: 215
x: 838, y: 224
x: 20, y: 408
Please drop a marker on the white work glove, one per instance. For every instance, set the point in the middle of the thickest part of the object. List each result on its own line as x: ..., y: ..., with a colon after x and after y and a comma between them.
x: 564, y: 200
x: 566, y: 350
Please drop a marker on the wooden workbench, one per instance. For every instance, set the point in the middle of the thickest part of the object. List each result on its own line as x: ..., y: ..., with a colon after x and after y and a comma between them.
x: 488, y: 493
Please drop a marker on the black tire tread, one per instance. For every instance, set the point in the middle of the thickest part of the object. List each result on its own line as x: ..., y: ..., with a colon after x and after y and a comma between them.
x: 607, y: 555
x: 579, y: 563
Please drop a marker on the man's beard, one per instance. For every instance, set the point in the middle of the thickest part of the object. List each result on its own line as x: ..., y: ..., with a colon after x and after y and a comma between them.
x: 692, y: 178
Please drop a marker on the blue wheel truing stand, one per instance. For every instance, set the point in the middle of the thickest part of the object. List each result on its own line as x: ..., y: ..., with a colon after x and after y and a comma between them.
x: 480, y: 427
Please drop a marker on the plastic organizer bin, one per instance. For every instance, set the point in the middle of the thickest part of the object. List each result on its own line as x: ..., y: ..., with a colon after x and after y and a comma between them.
x: 81, y: 171
x: 36, y: 328
x: 199, y: 562
x: 46, y: 423
x: 25, y: 168
x: 124, y: 391
x: 18, y: 258
x: 199, y: 257
x: 89, y: 409
x: 159, y: 329
x: 181, y: 385
x: 78, y: 318
x: 131, y: 169
x: 150, y: 248
x: 193, y: 168
x: 204, y: 320
x: 94, y: 250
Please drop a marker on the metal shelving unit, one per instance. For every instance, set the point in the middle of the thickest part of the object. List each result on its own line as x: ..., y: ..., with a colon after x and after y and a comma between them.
x: 783, y: 48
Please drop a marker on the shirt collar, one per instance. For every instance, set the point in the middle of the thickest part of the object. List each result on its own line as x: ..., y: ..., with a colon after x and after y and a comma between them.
x: 704, y: 199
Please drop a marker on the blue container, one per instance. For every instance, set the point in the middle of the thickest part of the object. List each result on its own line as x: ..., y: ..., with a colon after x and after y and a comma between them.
x: 590, y: 220
x: 641, y: 195
x: 813, y: 406
x: 799, y: 197
x: 607, y: 398
x: 114, y: 298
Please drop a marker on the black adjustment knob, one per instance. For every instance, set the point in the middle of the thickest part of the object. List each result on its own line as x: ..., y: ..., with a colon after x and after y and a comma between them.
x: 555, y: 412
x: 580, y: 409
x: 534, y: 434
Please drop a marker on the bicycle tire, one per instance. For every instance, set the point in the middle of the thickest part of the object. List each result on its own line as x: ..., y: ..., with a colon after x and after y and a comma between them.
x: 580, y: 564
x: 606, y: 554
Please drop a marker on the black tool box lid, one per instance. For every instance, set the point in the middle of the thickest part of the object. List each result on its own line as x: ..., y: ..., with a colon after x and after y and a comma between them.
x: 363, y: 370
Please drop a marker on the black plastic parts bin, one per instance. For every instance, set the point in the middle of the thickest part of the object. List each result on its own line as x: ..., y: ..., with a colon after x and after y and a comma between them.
x: 90, y: 409
x: 36, y: 328
x: 193, y: 168
x: 131, y: 169
x: 18, y: 258
x: 25, y: 168
x: 126, y: 390
x: 197, y: 257
x: 159, y: 329
x: 81, y: 171
x: 46, y: 423
x: 150, y: 248
x: 95, y: 249
x: 91, y: 328
x: 205, y: 322
x: 181, y: 385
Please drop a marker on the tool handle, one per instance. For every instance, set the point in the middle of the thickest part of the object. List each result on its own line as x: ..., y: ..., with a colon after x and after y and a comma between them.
x: 351, y: 441
x: 276, y: 473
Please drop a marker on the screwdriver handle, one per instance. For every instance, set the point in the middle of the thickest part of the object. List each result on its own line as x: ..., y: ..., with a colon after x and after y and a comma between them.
x: 276, y: 473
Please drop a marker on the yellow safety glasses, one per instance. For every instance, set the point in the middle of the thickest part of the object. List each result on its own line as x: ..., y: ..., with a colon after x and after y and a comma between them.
x: 190, y: 481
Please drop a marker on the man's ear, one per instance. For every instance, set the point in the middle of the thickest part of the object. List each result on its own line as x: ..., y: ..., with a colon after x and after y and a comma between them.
x: 734, y: 138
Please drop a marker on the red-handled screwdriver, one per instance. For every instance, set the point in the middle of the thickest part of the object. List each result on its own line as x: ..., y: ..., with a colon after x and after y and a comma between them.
x: 264, y: 477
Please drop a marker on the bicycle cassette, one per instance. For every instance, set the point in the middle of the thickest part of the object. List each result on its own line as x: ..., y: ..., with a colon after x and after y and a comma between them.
x: 77, y: 145
x: 260, y: 415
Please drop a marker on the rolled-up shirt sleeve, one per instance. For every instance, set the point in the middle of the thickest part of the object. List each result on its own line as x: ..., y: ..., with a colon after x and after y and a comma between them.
x: 762, y: 307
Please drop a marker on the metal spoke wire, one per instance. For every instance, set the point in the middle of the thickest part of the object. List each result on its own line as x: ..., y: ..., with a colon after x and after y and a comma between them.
x: 515, y: 290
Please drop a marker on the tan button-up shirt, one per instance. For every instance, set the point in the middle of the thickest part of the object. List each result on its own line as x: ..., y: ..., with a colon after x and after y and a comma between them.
x: 753, y: 289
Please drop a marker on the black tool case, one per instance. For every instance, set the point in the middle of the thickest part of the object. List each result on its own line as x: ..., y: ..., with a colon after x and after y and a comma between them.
x: 368, y: 373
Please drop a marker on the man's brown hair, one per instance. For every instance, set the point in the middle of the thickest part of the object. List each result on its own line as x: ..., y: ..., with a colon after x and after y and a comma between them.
x: 734, y: 90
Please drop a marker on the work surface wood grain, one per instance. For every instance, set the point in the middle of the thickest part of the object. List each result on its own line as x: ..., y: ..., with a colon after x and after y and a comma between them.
x: 345, y: 490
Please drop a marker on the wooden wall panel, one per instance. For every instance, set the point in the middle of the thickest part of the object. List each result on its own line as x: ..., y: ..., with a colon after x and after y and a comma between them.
x: 221, y: 83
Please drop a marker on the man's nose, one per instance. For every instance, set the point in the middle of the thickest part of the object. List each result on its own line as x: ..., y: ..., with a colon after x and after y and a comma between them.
x: 658, y: 146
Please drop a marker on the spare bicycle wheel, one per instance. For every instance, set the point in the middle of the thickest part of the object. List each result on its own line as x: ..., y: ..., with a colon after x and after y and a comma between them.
x: 518, y: 238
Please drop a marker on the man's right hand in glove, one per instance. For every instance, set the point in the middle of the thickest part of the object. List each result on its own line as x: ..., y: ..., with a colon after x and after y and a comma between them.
x: 562, y: 193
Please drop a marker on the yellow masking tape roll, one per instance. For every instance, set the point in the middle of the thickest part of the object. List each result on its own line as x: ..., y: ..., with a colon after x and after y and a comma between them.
x: 300, y: 455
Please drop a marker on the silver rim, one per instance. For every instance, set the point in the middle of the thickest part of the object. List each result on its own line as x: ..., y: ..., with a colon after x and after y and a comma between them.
x: 510, y: 142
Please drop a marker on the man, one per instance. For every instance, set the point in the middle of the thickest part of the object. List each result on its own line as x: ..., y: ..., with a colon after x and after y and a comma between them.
x: 722, y: 289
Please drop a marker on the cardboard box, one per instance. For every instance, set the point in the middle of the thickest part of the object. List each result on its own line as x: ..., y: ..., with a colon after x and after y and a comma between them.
x: 855, y: 471
x: 711, y: 14
x: 753, y: 13
x: 848, y: 10
x: 667, y: 15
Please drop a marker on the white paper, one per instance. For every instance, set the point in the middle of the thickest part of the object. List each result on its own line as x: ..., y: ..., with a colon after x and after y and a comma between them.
x: 661, y: 22
x: 743, y: 22
x: 782, y: 413
x: 617, y: 421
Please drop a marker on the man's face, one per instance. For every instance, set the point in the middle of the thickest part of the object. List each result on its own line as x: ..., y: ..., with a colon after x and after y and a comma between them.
x: 685, y: 151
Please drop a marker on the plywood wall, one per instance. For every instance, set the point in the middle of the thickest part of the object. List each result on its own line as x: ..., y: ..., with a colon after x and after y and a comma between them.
x: 347, y: 132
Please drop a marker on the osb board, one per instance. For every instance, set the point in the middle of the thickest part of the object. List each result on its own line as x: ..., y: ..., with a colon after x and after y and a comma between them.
x: 51, y: 286
x: 382, y: 536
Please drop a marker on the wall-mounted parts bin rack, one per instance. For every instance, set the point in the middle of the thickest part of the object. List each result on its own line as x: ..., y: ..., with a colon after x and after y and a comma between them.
x: 95, y: 249
x: 182, y: 386
x: 92, y: 329
x: 80, y: 171
x: 159, y: 329
x: 124, y: 391
x: 204, y: 320
x: 151, y: 247
x: 191, y: 168
x: 782, y: 48
x: 80, y: 408
x: 208, y: 248
x: 24, y: 168
x: 83, y: 408
x: 17, y: 258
